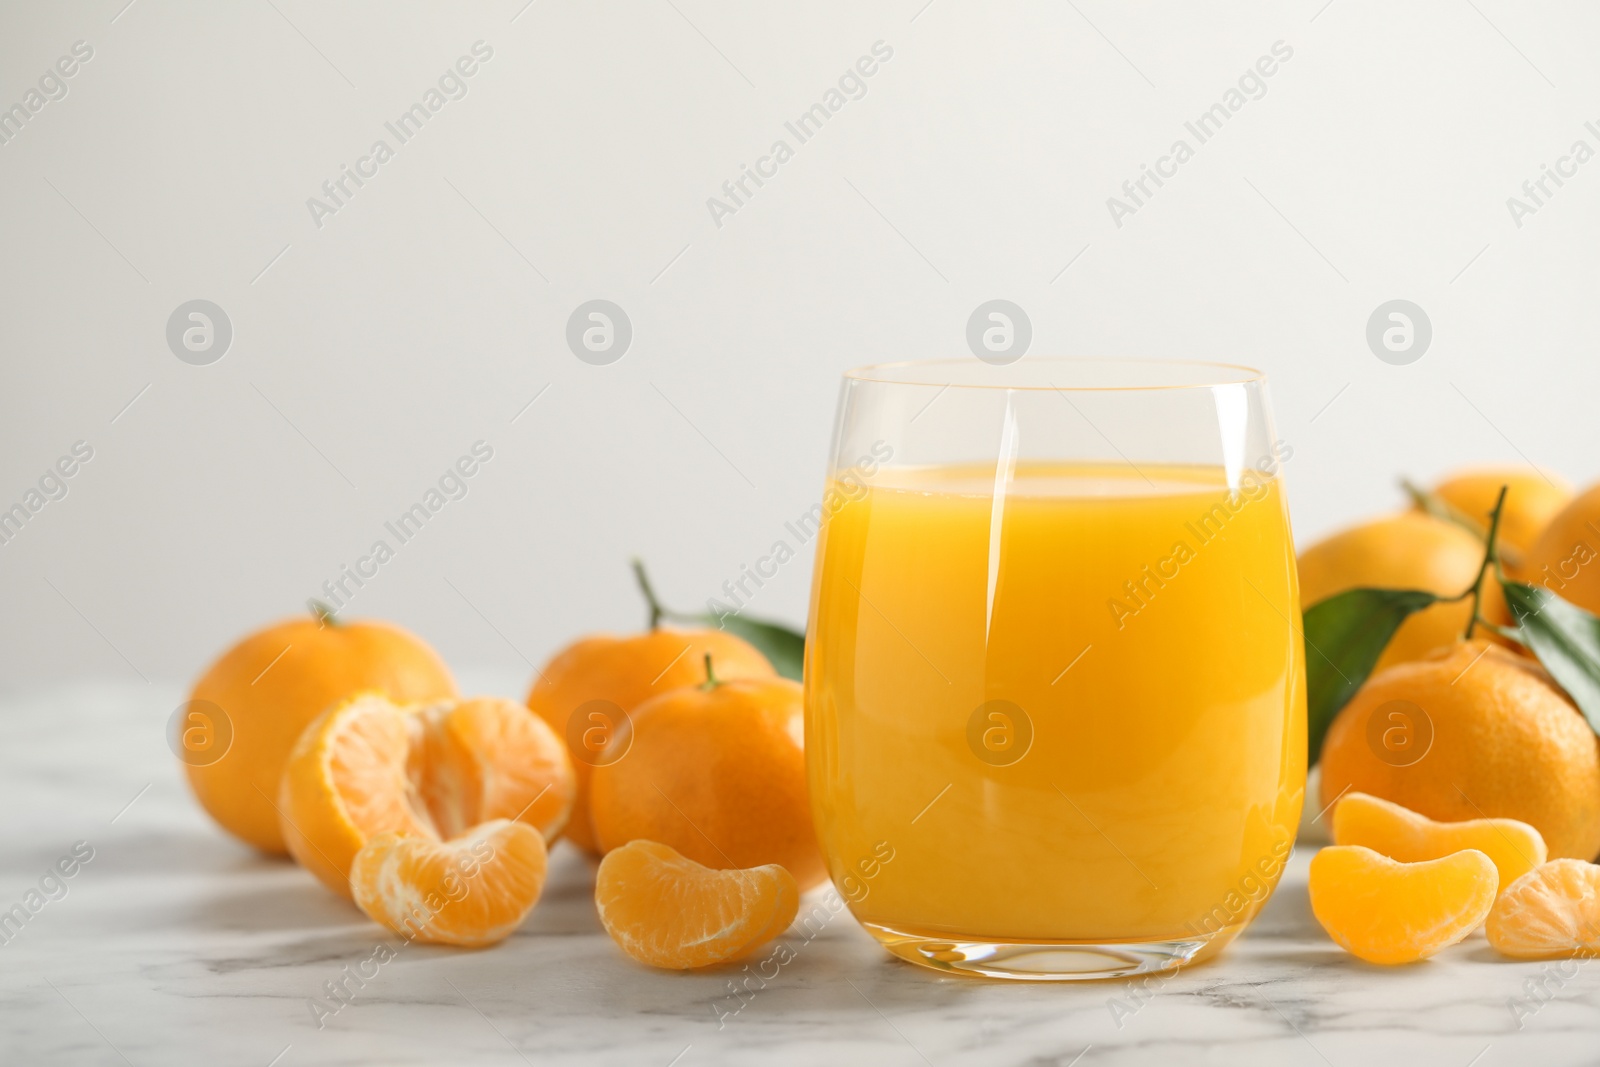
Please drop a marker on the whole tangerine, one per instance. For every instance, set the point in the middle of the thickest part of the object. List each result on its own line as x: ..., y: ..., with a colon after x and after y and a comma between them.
x: 717, y: 772
x: 1533, y: 498
x: 1565, y: 558
x: 272, y: 684
x: 588, y: 689
x: 1472, y: 732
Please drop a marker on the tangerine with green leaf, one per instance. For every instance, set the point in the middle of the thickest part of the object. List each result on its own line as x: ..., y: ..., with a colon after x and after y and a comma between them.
x: 1493, y: 737
x: 587, y: 690
x: 1475, y: 731
x: 1409, y: 550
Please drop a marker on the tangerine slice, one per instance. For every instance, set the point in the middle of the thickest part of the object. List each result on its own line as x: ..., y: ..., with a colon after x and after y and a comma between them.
x: 668, y: 911
x: 1388, y: 912
x: 472, y: 891
x: 367, y: 767
x: 1402, y: 834
x: 1553, y: 910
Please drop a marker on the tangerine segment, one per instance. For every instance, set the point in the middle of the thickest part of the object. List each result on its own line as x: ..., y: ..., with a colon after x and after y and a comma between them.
x: 345, y: 782
x: 1388, y: 912
x: 1402, y: 834
x: 368, y: 767
x: 472, y: 891
x: 489, y: 758
x: 1553, y: 910
x: 668, y: 911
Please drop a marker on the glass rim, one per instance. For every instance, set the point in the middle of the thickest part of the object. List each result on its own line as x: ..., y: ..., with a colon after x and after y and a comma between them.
x: 1184, y: 373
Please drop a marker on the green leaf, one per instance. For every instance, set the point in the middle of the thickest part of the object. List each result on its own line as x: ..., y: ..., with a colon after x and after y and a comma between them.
x: 786, y: 648
x: 1565, y: 638
x: 1345, y: 634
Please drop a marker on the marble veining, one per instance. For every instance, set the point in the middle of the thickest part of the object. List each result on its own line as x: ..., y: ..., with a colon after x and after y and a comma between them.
x: 174, y: 945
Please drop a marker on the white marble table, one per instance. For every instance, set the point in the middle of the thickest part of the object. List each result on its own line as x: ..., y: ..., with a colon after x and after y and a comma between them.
x: 174, y: 945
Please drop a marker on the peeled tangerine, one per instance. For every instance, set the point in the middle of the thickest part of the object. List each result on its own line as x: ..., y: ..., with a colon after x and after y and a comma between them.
x: 369, y: 767
x: 1388, y: 912
x: 1553, y: 910
x: 472, y: 891
x: 668, y: 911
x: 1401, y: 834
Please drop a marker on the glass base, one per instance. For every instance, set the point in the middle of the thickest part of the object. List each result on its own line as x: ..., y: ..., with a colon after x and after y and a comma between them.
x: 1051, y: 961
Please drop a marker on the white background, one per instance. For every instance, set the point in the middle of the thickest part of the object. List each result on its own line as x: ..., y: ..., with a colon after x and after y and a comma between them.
x: 370, y: 353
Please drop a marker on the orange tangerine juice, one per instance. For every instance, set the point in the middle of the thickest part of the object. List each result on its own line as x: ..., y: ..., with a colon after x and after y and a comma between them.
x: 1072, y: 713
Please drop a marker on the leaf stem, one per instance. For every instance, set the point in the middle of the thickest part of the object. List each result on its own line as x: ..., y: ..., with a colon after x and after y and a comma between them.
x: 1507, y: 632
x: 1433, y: 504
x: 1440, y: 508
x: 324, y: 614
x: 656, y: 610
x: 712, y: 681
x: 1489, y: 558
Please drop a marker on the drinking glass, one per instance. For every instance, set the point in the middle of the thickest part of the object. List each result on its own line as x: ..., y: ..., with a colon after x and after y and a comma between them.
x: 1054, y: 688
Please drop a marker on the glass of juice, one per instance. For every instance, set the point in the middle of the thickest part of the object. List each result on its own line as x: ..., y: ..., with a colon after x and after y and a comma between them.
x: 1055, y: 682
